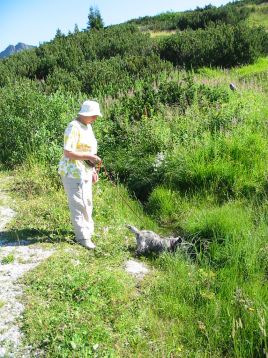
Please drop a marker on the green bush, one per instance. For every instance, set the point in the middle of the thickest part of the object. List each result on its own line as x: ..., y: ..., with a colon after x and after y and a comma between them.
x: 61, y: 79
x: 196, y: 19
x: 201, y: 18
x: 32, y: 123
x: 222, y: 45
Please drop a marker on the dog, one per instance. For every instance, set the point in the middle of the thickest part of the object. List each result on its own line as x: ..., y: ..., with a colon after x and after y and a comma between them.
x: 150, y: 242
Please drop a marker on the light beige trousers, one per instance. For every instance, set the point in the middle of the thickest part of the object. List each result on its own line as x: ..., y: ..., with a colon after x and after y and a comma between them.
x: 79, y: 194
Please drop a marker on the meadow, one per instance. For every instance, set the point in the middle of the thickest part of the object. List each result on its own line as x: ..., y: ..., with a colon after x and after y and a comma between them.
x: 209, y: 185
x: 187, y: 155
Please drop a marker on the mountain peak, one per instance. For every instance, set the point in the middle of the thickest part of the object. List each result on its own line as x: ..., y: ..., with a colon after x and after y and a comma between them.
x: 11, y: 49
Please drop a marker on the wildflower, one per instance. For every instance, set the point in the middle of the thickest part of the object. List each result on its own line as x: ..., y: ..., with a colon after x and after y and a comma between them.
x: 262, y: 323
x: 206, y: 274
x: 251, y: 309
x: 158, y: 160
x: 208, y: 295
x: 201, y: 326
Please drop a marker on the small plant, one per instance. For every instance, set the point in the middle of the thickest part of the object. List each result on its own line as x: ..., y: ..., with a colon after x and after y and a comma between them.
x: 7, y: 260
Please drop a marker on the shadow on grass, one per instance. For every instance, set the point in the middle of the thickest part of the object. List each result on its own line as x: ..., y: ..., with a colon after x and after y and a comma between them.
x: 32, y: 236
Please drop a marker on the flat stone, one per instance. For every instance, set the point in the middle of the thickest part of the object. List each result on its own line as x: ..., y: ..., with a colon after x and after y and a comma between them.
x: 136, y: 268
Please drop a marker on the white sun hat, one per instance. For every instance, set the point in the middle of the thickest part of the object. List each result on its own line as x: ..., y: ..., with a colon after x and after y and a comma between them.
x: 90, y: 108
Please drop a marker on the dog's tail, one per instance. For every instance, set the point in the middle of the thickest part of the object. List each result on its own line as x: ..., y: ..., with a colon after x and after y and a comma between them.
x: 133, y: 229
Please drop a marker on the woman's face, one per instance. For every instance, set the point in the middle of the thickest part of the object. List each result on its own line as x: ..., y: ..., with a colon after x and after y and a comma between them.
x: 87, y: 119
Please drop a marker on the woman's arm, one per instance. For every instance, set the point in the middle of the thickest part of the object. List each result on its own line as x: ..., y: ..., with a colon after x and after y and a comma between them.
x: 82, y: 156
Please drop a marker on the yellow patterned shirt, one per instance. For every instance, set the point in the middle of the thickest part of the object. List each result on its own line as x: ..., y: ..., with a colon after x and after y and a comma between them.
x: 78, y: 137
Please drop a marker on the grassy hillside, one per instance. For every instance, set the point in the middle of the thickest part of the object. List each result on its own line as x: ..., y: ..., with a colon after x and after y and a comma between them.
x: 259, y: 15
x: 213, y: 192
x: 188, y: 156
x: 255, y: 13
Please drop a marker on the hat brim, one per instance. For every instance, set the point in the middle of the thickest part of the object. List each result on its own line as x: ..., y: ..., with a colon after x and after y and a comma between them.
x: 88, y: 114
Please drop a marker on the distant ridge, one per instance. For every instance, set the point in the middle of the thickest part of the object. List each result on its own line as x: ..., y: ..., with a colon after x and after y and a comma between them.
x: 11, y: 49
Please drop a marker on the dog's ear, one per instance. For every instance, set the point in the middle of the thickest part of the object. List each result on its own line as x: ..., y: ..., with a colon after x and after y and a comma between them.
x: 138, y: 239
x: 175, y: 242
x: 178, y: 240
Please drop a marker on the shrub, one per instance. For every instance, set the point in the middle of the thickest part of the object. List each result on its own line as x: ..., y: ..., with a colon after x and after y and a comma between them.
x: 61, y: 79
x: 196, y: 19
x: 201, y: 18
x: 222, y: 45
x: 34, y: 123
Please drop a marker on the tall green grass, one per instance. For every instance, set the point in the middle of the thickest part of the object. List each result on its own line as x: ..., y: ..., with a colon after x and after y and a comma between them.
x: 83, y: 304
x: 200, y: 167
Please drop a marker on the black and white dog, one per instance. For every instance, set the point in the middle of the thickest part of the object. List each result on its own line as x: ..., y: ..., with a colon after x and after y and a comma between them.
x: 150, y: 242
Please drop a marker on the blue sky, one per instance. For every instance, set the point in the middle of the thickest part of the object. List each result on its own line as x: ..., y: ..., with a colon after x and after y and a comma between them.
x: 36, y: 21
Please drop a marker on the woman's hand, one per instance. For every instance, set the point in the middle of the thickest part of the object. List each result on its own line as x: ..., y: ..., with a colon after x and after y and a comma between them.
x: 95, y: 177
x: 93, y: 158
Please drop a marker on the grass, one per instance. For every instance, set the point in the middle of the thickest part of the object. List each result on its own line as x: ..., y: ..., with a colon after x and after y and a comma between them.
x: 104, y: 299
x: 212, y: 303
x: 251, y: 77
x: 259, y: 66
x: 161, y: 33
x: 8, y: 259
x: 84, y: 304
x: 259, y: 16
x: 2, y: 303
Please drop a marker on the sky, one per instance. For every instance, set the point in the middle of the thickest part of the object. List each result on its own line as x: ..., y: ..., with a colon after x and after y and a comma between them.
x: 36, y: 21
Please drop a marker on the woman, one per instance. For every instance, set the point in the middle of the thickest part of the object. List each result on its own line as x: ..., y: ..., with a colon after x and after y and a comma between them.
x: 77, y: 170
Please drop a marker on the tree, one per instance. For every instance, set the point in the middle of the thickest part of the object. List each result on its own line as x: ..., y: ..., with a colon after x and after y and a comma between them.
x: 76, y: 29
x: 59, y: 34
x: 94, y: 19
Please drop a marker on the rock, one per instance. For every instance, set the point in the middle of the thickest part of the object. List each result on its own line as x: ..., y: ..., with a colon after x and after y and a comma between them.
x: 136, y: 268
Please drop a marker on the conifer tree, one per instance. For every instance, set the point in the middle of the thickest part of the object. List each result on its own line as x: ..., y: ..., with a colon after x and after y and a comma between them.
x: 76, y: 29
x: 94, y: 19
x: 59, y: 34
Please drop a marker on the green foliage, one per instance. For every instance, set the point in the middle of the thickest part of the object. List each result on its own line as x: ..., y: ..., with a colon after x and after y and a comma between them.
x: 114, y: 75
x: 220, y: 164
x: 229, y: 221
x: 164, y: 21
x: 90, y: 305
x: 195, y: 154
x: 62, y: 80
x: 222, y: 45
x: 148, y: 99
x: 7, y: 259
x: 196, y: 19
x: 162, y: 204
x: 202, y: 18
x: 110, y: 60
x: 141, y: 135
x: 96, y: 62
x: 258, y: 16
x: 32, y: 123
x: 94, y: 19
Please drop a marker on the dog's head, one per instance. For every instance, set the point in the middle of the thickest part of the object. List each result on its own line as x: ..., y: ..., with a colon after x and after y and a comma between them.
x: 175, y: 242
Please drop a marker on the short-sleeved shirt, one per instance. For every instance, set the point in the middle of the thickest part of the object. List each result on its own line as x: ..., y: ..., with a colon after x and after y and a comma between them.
x: 78, y: 137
